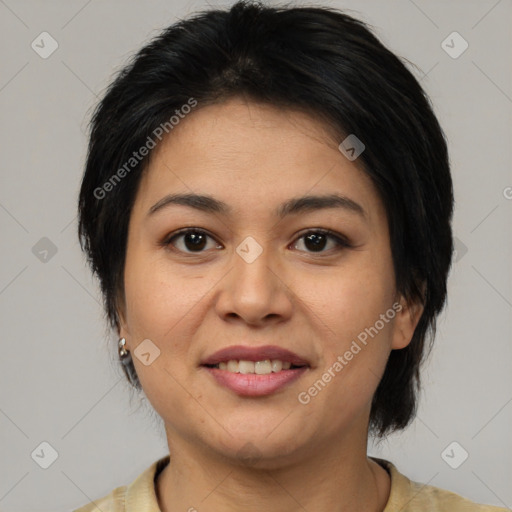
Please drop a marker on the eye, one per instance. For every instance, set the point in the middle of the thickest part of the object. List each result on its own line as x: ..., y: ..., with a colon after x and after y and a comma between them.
x: 193, y: 240
x: 317, y: 240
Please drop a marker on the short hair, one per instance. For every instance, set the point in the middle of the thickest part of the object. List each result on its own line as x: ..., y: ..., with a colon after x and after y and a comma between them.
x: 315, y: 59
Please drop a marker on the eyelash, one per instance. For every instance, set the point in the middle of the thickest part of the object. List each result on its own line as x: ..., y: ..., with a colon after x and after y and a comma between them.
x: 341, y: 241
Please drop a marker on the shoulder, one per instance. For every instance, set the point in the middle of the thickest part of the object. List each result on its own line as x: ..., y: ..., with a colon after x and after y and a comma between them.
x: 112, y: 502
x: 138, y: 496
x: 427, y: 497
x: 410, y: 496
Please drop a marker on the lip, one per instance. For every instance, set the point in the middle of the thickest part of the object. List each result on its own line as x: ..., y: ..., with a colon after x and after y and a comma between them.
x: 238, y: 352
x: 251, y: 384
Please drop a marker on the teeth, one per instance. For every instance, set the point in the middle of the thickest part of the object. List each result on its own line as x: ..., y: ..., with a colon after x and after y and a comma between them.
x: 232, y: 366
x: 265, y: 367
x: 246, y: 367
x: 277, y: 365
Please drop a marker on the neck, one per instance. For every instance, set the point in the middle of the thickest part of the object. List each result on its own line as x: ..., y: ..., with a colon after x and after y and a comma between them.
x: 339, y: 480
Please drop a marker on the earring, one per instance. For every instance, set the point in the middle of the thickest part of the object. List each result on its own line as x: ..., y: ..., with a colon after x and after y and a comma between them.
x: 122, y: 350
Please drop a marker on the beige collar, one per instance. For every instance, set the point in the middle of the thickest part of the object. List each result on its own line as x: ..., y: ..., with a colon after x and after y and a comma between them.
x: 141, y: 495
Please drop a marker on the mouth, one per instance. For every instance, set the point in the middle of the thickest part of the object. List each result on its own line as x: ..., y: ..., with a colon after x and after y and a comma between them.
x: 260, y: 360
x: 255, y: 371
x: 265, y: 367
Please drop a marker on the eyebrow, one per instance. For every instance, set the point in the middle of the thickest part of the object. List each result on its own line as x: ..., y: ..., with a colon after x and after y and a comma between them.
x: 209, y: 204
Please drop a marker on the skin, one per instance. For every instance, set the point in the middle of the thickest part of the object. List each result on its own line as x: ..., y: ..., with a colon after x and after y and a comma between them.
x: 190, y: 304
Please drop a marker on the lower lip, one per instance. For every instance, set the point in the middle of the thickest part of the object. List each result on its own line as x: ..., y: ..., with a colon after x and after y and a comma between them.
x: 251, y: 384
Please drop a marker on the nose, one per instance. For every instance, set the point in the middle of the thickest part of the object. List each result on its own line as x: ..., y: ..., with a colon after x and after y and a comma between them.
x: 255, y: 292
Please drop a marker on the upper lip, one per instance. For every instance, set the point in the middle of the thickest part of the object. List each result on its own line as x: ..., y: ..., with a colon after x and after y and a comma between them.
x: 241, y: 352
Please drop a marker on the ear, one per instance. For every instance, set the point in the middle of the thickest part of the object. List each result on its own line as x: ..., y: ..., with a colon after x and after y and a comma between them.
x: 406, y: 319
x: 123, y: 331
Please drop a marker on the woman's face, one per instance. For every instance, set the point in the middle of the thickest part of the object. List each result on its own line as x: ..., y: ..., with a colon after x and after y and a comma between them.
x: 254, y: 278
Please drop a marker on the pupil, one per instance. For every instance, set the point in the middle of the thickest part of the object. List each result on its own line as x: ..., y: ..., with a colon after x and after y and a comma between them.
x: 196, y: 240
x: 317, y: 241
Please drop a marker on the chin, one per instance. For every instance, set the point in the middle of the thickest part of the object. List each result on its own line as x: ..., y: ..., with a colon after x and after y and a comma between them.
x: 261, y: 451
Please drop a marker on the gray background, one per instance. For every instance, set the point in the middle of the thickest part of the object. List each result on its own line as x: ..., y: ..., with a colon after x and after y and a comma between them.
x: 59, y: 379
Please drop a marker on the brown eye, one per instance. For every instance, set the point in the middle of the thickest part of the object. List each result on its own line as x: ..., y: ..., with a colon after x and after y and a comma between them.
x: 316, y: 241
x: 190, y: 241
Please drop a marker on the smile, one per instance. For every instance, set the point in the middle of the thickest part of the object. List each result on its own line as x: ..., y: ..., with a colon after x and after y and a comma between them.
x: 254, y: 371
x: 265, y: 367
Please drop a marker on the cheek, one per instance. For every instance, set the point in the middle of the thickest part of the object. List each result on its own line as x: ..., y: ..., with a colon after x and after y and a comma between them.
x: 345, y: 301
x: 355, y: 342
x: 355, y: 345
x: 161, y: 300
x: 160, y: 307
x: 166, y: 306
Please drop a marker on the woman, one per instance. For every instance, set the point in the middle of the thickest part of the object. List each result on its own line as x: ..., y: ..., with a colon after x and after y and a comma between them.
x: 267, y: 203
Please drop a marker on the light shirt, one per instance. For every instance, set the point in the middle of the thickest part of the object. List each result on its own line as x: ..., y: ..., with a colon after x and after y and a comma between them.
x: 405, y: 495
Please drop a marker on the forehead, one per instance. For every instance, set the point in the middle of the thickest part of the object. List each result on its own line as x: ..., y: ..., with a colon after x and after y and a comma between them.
x: 253, y: 151
x: 236, y: 129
